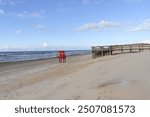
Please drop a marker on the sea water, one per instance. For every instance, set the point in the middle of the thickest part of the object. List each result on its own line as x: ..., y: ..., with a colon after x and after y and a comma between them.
x: 35, y: 55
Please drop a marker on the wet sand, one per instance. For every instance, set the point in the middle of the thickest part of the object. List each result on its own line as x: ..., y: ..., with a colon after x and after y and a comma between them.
x: 124, y: 76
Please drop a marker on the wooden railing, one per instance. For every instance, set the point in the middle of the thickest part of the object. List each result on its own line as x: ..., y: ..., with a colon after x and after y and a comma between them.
x: 98, y: 51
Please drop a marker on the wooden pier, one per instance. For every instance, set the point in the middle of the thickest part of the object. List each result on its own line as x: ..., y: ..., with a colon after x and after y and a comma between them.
x: 98, y: 51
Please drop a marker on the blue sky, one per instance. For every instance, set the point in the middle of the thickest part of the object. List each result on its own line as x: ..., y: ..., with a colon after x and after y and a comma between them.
x: 72, y: 24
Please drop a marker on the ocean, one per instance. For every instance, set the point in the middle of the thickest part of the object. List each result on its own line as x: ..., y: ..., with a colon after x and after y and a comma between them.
x: 35, y: 55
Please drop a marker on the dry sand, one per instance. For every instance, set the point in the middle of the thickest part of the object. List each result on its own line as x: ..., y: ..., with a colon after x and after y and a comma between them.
x: 124, y: 76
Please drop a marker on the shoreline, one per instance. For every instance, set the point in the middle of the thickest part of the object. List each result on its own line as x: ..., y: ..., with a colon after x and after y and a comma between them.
x: 40, y: 59
x: 46, y: 55
x: 29, y: 63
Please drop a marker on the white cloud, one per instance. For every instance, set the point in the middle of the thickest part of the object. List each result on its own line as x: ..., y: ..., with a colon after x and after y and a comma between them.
x: 7, y: 2
x: 86, y: 1
x: 4, y: 47
x: 7, y: 47
x: 144, y: 26
x: 40, y: 26
x: 2, y: 12
x: 18, y: 32
x: 44, y: 45
x: 12, y: 2
x: 133, y: 1
x: 90, y: 1
x: 146, y: 41
x: 29, y: 14
x: 99, y: 26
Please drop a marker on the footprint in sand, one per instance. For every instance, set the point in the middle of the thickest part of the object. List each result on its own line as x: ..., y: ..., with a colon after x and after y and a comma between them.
x: 74, y: 98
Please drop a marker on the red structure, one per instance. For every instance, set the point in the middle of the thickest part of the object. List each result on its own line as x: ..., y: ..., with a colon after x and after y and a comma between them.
x: 62, y: 56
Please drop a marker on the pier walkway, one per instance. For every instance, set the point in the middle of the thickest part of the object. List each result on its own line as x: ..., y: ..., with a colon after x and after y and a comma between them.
x: 98, y: 51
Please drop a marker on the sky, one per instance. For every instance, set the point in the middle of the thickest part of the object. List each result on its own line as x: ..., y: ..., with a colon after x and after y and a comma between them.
x: 72, y: 24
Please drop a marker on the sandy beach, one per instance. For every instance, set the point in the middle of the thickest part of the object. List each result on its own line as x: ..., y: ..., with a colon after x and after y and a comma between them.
x: 124, y: 76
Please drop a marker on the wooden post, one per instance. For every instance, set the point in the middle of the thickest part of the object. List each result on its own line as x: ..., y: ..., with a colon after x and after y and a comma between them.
x: 139, y: 48
x: 142, y: 47
x: 121, y: 48
x: 130, y: 48
x: 110, y: 50
x: 93, y: 53
x: 102, y: 53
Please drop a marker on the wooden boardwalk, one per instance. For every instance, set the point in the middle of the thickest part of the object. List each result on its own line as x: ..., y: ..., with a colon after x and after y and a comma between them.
x: 98, y: 51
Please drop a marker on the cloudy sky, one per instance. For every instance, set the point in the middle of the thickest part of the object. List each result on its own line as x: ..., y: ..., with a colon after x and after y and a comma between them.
x: 72, y: 24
